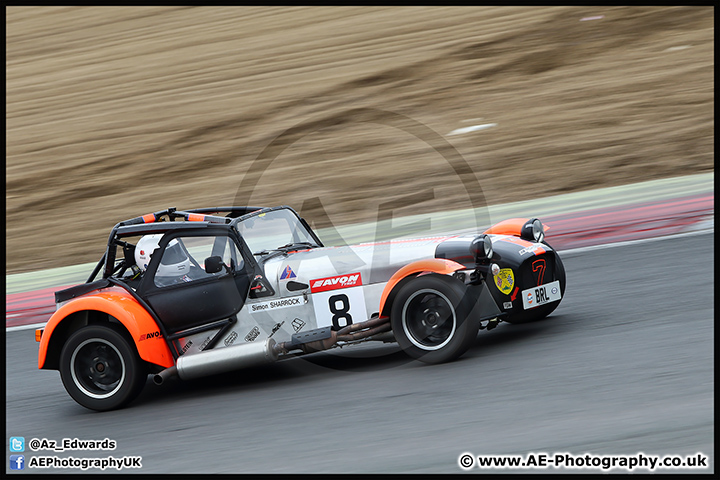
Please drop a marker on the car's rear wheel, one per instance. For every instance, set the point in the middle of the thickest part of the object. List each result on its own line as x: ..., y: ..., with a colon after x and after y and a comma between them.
x: 431, y: 319
x: 100, y: 368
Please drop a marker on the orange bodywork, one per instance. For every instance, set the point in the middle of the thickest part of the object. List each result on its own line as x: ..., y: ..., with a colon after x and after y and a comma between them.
x: 120, y: 304
x: 511, y: 226
x: 435, y: 265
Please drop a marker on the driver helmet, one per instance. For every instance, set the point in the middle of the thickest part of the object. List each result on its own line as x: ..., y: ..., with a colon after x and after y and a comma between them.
x: 174, y: 262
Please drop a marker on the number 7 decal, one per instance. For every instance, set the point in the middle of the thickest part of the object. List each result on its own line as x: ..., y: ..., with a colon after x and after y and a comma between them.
x: 538, y: 266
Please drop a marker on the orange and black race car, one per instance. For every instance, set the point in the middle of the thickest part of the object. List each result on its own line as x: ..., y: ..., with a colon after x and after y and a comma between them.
x: 206, y: 291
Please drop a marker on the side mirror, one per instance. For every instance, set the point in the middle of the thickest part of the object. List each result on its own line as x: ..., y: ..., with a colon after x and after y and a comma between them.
x: 214, y: 264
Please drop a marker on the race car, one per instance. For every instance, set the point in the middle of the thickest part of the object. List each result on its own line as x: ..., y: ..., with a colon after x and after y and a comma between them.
x: 205, y: 291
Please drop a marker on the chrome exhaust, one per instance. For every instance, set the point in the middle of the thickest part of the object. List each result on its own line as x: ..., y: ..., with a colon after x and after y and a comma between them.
x: 221, y: 360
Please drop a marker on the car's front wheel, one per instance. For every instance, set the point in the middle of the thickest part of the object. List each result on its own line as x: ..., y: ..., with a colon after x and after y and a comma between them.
x: 100, y: 368
x: 431, y: 319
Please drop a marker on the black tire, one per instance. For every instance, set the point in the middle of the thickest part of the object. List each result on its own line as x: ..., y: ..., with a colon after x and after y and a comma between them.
x: 101, y: 369
x: 430, y: 319
x: 538, y: 313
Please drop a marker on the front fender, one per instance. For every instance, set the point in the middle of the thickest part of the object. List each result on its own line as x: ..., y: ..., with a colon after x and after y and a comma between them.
x: 119, y: 304
x: 511, y: 226
x: 435, y: 265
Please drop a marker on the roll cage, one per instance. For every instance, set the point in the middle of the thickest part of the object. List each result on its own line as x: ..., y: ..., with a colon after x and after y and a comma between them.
x: 170, y: 219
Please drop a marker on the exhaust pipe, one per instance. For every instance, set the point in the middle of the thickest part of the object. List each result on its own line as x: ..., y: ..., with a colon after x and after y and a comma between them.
x: 221, y: 360
x: 159, y: 378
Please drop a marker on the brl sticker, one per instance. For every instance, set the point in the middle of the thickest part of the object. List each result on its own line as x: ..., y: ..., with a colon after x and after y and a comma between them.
x: 505, y: 280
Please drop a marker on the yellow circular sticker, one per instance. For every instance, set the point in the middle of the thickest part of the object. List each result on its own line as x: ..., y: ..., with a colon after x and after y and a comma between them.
x: 505, y: 281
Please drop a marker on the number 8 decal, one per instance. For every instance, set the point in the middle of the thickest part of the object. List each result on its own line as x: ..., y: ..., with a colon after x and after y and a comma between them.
x: 342, y: 312
x: 339, y: 308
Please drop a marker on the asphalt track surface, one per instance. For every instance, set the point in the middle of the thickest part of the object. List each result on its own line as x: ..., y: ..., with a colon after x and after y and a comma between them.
x: 624, y: 365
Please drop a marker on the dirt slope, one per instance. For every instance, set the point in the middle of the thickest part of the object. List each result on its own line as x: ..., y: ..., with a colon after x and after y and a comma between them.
x: 114, y: 112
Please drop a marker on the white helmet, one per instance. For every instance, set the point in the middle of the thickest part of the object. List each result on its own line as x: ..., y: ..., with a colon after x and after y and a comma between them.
x: 174, y: 262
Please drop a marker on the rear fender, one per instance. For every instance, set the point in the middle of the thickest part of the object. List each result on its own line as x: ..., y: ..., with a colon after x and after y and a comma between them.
x: 411, y: 270
x: 116, y: 303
